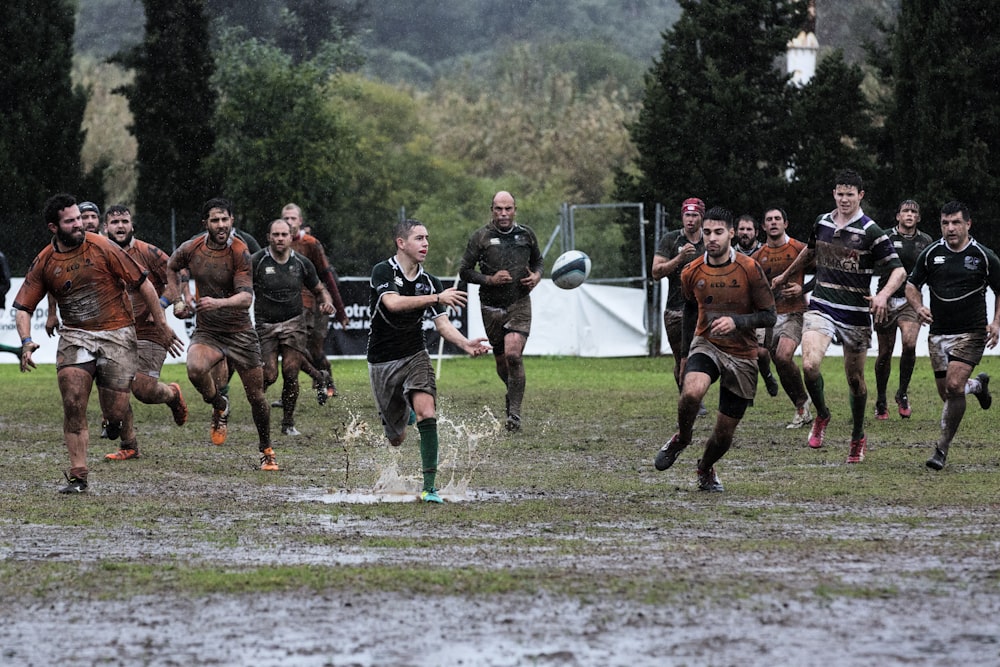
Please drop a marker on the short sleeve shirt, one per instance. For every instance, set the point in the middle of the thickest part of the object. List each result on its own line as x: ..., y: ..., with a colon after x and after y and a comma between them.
x: 90, y: 283
x: 397, y: 335
x: 516, y: 251
x: 218, y: 274
x: 278, y: 287
x: 908, y: 248
x: 773, y: 261
x: 737, y: 287
x: 846, y: 260
x: 669, y: 247
x: 957, y: 281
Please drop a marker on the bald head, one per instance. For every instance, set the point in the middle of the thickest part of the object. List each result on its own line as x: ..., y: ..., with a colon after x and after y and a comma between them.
x: 503, y: 210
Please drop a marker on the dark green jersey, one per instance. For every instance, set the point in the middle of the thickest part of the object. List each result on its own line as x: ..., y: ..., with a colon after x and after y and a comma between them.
x: 277, y: 288
x: 957, y: 281
x: 908, y: 248
x: 397, y: 335
x: 515, y: 251
x: 669, y: 247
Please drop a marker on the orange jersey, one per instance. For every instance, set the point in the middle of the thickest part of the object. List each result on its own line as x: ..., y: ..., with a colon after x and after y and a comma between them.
x: 737, y: 287
x: 154, y: 261
x: 89, y: 283
x: 310, y: 247
x: 774, y: 261
x: 218, y: 274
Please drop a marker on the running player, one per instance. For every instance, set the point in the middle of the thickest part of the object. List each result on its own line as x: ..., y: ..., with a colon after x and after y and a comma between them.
x: 908, y: 242
x: 399, y: 366
x: 726, y: 298
x: 957, y: 270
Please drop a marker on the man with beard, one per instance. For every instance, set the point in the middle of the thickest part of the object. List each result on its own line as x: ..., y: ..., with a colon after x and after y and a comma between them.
x: 87, y: 273
x: 510, y: 266
x: 152, y: 349
x: 219, y: 264
x: 726, y: 298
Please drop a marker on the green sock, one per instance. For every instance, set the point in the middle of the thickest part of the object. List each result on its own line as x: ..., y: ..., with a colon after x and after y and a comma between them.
x: 428, y: 429
x: 815, y: 390
x: 858, y: 406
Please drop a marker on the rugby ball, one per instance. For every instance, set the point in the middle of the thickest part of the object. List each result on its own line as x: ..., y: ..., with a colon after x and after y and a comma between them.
x: 571, y: 269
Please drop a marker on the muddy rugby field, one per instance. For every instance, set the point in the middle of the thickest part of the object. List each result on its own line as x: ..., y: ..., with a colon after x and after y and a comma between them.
x: 561, y: 545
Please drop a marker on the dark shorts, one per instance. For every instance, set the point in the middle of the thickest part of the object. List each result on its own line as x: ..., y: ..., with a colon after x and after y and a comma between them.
x: 151, y: 358
x: 290, y: 334
x: 392, y: 384
x: 498, y: 322
x: 240, y: 348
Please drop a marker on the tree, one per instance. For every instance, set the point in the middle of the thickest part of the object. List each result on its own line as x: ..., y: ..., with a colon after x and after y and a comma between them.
x: 172, y: 105
x: 40, y: 118
x: 942, y: 125
x: 714, y: 119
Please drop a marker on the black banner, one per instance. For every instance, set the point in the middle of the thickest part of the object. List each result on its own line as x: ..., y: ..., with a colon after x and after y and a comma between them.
x: 352, y: 341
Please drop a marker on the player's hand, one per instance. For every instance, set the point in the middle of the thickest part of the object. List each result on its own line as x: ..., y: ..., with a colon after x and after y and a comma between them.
x: 924, y: 315
x: 326, y: 308
x: 478, y: 347
x: 778, y: 281
x: 454, y: 297
x: 174, y: 344
x: 878, y: 308
x: 27, y: 363
x: 52, y: 324
x: 531, y: 280
x: 502, y: 277
x: 792, y: 291
x: 992, y: 334
x: 182, y: 309
x: 723, y: 326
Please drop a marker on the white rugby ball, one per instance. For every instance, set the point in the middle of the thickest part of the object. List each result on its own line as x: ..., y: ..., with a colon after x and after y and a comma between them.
x: 571, y: 269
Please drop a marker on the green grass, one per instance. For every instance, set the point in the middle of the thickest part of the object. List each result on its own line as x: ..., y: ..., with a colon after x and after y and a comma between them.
x: 571, y: 505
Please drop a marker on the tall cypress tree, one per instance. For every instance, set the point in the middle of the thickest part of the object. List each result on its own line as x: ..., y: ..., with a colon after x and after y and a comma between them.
x: 942, y: 124
x: 713, y: 123
x: 41, y: 113
x: 172, y: 103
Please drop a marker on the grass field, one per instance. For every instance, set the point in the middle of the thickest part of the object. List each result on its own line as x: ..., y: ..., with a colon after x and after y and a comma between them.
x: 569, y: 547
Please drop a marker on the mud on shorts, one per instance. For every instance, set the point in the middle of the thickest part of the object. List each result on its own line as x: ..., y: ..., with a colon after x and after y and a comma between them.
x: 788, y: 325
x: 964, y: 347
x: 853, y: 338
x: 240, y: 348
x: 898, y: 310
x: 113, y: 353
x: 673, y: 324
x: 290, y: 333
x: 736, y: 374
x: 498, y: 322
x: 151, y: 358
x: 393, y: 382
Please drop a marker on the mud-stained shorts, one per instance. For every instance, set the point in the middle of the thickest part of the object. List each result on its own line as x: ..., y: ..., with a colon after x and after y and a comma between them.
x: 290, y: 333
x: 498, y: 322
x: 788, y: 325
x: 899, y: 310
x: 736, y: 374
x: 240, y: 348
x: 673, y: 324
x: 393, y: 382
x: 854, y: 339
x: 151, y: 358
x: 966, y: 347
x: 113, y: 351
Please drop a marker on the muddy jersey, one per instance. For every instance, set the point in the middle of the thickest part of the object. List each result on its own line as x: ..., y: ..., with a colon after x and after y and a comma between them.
x: 908, y: 248
x: 957, y: 281
x: 400, y: 334
x: 311, y: 248
x: 516, y: 251
x: 278, y: 287
x: 846, y: 260
x: 218, y: 274
x: 737, y: 287
x: 669, y: 247
x: 774, y: 261
x: 154, y: 261
x: 90, y: 283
